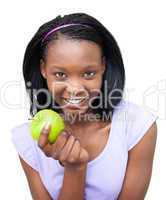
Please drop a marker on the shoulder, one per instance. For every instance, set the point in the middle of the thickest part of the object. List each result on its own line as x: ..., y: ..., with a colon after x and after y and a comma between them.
x: 24, y: 144
x: 20, y: 130
x: 138, y: 120
x: 129, y: 107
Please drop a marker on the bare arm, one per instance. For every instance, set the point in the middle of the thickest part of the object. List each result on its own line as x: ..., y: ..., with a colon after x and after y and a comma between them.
x: 139, y: 167
x: 36, y: 186
x: 72, y: 188
x: 73, y: 184
x: 67, y: 150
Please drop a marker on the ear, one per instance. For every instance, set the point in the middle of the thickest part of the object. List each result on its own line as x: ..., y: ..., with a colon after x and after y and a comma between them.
x: 103, y: 64
x: 42, y: 68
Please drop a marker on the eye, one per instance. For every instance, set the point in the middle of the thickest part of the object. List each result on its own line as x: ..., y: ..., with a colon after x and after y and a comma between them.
x: 60, y: 74
x: 89, y: 74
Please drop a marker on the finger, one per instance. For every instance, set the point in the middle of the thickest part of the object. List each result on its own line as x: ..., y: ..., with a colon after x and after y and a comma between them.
x: 75, y: 152
x: 47, y: 149
x: 67, y: 148
x: 43, y: 139
x: 59, y: 144
x: 84, y: 156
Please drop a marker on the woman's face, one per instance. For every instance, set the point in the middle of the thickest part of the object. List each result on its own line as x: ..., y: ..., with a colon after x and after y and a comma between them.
x: 73, y: 70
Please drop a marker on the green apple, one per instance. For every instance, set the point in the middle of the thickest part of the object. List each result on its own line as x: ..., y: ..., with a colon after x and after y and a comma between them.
x: 41, y: 118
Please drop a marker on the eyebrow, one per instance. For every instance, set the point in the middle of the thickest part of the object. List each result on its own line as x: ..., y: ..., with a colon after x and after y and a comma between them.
x: 85, y: 67
x: 60, y: 68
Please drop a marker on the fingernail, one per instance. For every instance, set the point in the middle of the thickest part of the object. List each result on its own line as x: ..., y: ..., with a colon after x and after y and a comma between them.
x: 64, y: 133
x: 46, y: 126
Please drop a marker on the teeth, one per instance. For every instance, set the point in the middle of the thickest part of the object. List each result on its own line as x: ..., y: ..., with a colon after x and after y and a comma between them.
x: 73, y: 101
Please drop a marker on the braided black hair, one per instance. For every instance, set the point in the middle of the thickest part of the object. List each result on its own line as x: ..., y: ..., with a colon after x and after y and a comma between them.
x: 96, y: 32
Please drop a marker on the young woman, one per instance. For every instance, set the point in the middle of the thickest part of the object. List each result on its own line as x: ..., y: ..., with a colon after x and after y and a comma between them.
x: 73, y: 66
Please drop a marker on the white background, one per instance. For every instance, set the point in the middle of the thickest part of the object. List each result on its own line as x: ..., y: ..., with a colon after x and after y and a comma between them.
x: 138, y: 26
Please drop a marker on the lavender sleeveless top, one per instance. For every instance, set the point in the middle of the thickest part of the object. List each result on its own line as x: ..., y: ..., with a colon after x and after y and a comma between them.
x: 105, y: 174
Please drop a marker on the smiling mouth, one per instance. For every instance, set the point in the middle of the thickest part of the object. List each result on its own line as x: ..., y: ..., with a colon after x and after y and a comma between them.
x: 74, y: 101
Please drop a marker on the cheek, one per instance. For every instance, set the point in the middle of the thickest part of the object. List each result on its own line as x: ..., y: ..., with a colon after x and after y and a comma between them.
x: 95, y: 84
x: 55, y: 87
x: 95, y: 87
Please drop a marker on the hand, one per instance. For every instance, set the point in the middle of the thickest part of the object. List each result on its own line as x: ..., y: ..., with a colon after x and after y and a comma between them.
x: 67, y: 149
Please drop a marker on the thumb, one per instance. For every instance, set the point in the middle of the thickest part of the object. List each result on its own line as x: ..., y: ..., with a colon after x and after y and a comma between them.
x: 43, y: 139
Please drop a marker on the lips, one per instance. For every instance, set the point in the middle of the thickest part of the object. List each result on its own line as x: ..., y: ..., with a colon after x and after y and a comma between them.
x: 74, y: 102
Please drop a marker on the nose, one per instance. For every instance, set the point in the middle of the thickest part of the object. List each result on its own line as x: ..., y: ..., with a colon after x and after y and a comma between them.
x: 76, y: 91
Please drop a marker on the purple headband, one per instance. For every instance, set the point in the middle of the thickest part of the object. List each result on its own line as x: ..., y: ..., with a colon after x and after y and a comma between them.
x: 62, y: 26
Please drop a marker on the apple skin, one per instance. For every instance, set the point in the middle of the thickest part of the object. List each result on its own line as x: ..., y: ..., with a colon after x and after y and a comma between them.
x: 41, y: 118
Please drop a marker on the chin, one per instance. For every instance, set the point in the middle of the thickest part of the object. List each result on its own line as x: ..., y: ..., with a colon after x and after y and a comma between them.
x: 75, y: 111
